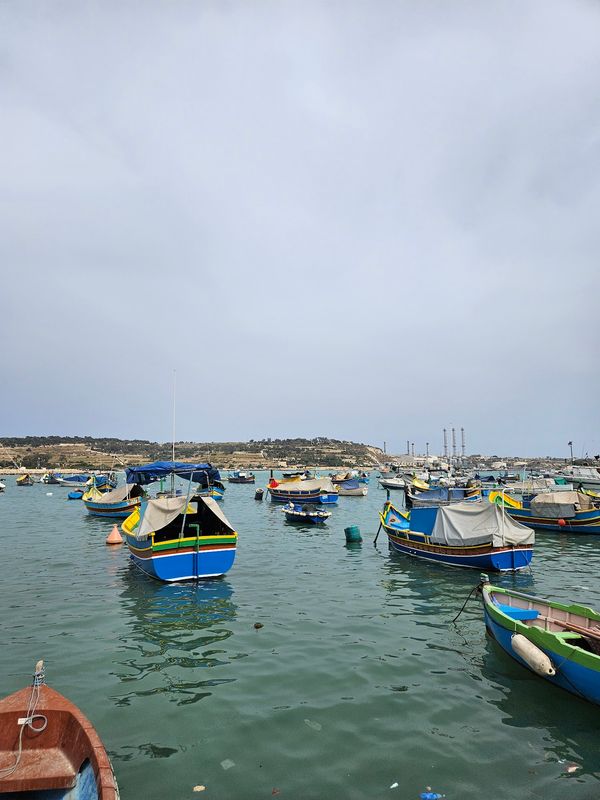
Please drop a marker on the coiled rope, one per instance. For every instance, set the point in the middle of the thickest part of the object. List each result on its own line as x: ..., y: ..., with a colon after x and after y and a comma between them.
x: 28, y: 720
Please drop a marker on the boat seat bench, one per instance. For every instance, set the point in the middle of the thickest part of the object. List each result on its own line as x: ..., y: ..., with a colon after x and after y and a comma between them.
x: 518, y: 613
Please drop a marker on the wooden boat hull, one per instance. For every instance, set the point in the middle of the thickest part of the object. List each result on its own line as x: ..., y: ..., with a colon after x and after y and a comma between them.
x: 577, y: 670
x: 65, y: 760
x: 360, y: 492
x: 582, y: 522
x: 281, y: 495
x: 112, y: 510
x: 242, y: 480
x: 481, y: 557
x: 190, y: 558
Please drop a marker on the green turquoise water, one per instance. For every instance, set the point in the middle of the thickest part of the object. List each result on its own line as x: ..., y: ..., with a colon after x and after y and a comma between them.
x: 358, y: 679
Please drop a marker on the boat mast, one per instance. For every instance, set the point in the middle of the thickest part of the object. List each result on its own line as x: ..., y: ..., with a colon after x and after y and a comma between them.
x: 173, y: 434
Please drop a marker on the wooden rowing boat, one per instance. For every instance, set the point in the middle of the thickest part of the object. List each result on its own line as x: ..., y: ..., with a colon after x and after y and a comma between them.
x: 48, y: 748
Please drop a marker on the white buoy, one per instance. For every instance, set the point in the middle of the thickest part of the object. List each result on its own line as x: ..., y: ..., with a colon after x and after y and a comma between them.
x: 532, y: 655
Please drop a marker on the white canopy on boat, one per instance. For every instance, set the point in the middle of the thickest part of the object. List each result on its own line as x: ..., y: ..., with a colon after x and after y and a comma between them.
x: 560, y: 505
x: 323, y: 484
x: 473, y: 523
x: 158, y: 513
x: 116, y: 495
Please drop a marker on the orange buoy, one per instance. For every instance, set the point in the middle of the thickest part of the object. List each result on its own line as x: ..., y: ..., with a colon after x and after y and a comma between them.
x: 114, y: 537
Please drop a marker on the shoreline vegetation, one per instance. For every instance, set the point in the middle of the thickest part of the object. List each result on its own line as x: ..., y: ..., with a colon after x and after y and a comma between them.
x: 42, y: 453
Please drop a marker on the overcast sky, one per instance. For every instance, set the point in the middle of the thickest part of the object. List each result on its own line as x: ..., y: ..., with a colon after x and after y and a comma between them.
x: 351, y: 219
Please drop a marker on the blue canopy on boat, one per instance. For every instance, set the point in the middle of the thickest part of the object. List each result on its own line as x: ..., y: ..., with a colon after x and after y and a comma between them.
x: 198, y: 473
x: 77, y: 478
x: 350, y: 484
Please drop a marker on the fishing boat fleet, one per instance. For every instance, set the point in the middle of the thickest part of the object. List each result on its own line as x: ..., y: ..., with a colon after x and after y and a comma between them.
x: 178, y: 534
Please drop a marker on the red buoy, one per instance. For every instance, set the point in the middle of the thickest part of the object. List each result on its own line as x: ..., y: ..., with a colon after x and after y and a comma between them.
x: 561, y: 523
x: 114, y: 537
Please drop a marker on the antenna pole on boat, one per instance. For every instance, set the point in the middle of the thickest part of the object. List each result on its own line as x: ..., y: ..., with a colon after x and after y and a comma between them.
x: 173, y: 433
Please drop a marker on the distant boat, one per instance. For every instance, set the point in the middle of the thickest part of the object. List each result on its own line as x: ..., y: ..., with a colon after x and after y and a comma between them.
x: 2, y: 486
x: 237, y: 476
x: 582, y: 477
x: 351, y: 488
x: 50, y: 478
x: 50, y: 749
x: 460, y: 535
x: 440, y: 496
x: 561, y: 512
x: 74, y: 481
x: 392, y: 482
x: 116, y: 504
x: 307, y: 514
x: 560, y: 643
x: 25, y: 480
x: 319, y: 490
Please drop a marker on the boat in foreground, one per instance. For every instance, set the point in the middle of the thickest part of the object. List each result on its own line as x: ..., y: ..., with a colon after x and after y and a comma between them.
x: 460, y: 535
x: 180, y: 538
x: 561, y: 643
x: 307, y: 514
x: 49, y: 749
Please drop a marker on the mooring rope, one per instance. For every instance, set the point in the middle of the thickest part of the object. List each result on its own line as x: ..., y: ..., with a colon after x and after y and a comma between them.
x: 28, y: 720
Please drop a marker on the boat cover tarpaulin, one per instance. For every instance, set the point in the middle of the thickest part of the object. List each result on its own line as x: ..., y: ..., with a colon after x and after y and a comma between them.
x: 467, y: 524
x: 350, y: 484
x: 117, y: 495
x: 160, y: 512
x: 149, y: 473
x: 560, y: 505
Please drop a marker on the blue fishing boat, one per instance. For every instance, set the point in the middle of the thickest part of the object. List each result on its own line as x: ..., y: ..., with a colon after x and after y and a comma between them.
x: 561, y: 512
x: 460, y: 535
x: 558, y: 642
x: 77, y: 494
x: 179, y: 537
x: 319, y: 490
x: 440, y: 496
x: 306, y: 514
x: 49, y: 750
x: 116, y: 504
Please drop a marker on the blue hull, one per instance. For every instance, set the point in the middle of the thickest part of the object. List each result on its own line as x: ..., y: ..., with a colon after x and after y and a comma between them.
x: 502, y: 560
x: 305, y: 520
x: 578, y: 680
x: 184, y: 566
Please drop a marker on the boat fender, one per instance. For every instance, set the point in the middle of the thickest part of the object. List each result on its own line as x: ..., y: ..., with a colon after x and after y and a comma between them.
x: 532, y: 655
x: 561, y: 523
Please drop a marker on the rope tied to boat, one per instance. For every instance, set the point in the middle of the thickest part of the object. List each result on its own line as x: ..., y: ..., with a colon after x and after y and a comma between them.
x: 39, y: 677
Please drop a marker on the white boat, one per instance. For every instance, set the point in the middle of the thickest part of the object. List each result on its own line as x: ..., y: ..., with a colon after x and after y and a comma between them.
x: 392, y: 483
x: 2, y: 486
x: 582, y: 477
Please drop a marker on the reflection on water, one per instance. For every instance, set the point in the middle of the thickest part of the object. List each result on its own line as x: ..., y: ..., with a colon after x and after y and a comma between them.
x: 171, y: 630
x: 570, y: 724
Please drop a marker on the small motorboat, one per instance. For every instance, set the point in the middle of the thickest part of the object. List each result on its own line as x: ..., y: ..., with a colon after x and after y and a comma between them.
x: 352, y: 488
x: 294, y: 512
x: 560, y: 643
x: 50, y: 478
x: 2, y: 486
x: 25, y: 480
x: 392, y: 483
x: 76, y: 495
x: 48, y: 748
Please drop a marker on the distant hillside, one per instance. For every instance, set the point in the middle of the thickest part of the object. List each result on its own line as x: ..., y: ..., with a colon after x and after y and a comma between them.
x: 88, y: 451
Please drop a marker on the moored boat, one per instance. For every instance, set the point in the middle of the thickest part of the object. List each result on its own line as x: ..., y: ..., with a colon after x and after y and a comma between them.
x: 307, y: 514
x: 238, y: 476
x: 116, y: 504
x: 394, y: 482
x: 561, y: 512
x: 440, y: 496
x: 558, y: 642
x: 74, y: 481
x: 352, y: 488
x: 25, y: 480
x: 460, y: 535
x: 180, y: 538
x: 319, y: 490
x: 49, y: 749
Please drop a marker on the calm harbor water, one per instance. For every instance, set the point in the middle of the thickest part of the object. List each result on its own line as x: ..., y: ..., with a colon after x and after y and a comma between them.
x: 357, y: 680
